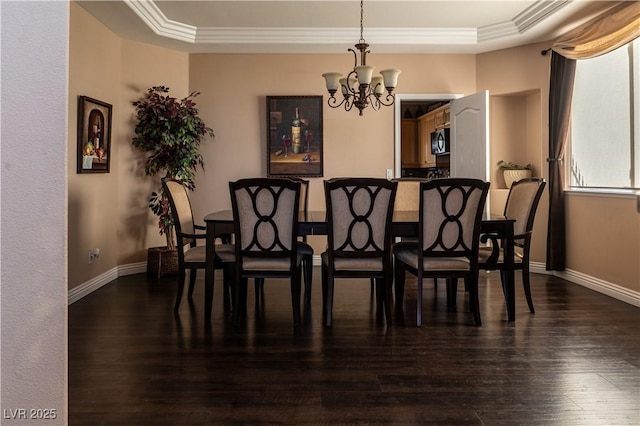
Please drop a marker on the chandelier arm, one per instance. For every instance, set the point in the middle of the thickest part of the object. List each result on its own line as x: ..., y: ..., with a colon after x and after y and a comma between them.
x: 374, y: 102
x: 333, y: 102
x: 355, y: 58
x: 348, y: 105
x: 388, y: 99
x: 352, y: 91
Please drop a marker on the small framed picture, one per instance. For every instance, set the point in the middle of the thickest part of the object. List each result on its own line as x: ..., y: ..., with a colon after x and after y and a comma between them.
x: 294, y: 140
x: 94, y: 135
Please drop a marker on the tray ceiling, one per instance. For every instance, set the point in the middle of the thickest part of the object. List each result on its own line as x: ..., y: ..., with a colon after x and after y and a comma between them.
x: 317, y: 26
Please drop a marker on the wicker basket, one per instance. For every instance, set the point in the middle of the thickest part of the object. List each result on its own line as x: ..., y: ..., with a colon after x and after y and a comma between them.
x: 162, y: 262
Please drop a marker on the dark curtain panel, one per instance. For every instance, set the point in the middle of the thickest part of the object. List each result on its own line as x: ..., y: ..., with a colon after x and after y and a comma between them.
x: 560, y: 93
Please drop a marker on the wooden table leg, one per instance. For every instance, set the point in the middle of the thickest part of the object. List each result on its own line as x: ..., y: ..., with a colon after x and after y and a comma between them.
x: 509, y: 272
x: 209, y: 272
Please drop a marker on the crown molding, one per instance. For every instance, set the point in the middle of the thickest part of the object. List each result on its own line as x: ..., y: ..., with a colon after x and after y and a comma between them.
x: 536, y: 13
x: 158, y: 22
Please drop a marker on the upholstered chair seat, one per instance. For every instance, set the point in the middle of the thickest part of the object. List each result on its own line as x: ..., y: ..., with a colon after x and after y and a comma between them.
x: 409, y: 256
x: 356, y: 264
x: 267, y: 264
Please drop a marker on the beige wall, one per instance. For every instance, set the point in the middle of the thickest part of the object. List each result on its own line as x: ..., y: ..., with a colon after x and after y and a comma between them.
x: 233, y: 102
x: 94, y: 71
x: 603, y: 238
x: 109, y: 210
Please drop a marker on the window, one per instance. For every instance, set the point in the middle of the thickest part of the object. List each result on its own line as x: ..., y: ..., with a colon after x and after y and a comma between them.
x: 605, y: 123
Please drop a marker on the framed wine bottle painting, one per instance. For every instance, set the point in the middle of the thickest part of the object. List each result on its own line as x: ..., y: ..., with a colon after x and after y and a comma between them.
x: 294, y: 139
x: 94, y: 135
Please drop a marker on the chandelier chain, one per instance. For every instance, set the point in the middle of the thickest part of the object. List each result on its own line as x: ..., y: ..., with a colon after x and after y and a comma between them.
x: 362, y: 21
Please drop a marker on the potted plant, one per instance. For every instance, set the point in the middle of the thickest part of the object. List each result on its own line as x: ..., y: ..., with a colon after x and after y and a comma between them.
x: 513, y: 172
x: 170, y: 131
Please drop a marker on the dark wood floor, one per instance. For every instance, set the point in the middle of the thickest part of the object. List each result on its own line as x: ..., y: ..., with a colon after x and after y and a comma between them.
x: 576, y: 361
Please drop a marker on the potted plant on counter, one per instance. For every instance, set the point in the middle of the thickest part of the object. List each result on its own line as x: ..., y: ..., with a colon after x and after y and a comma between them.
x: 513, y: 172
x: 170, y: 132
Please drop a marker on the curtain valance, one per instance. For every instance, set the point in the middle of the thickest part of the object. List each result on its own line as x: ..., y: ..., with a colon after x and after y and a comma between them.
x: 616, y: 27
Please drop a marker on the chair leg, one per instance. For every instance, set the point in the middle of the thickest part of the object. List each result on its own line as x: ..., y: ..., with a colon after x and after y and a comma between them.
x: 388, y: 299
x: 400, y: 273
x: 241, y: 300
x: 419, y: 304
x: 474, y: 302
x: 323, y: 280
x: 527, y: 286
x: 231, y: 271
x: 380, y: 308
x: 452, y: 293
x: 503, y: 284
x: 328, y: 306
x: 307, y: 264
x: 226, y: 279
x: 295, y: 297
x: 192, y: 281
x: 258, y: 287
x: 181, y: 280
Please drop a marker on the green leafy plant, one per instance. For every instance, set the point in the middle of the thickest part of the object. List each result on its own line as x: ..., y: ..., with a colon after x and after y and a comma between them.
x: 504, y: 165
x: 170, y: 131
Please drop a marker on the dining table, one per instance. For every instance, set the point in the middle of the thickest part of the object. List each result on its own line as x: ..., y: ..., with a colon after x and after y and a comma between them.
x: 404, y: 224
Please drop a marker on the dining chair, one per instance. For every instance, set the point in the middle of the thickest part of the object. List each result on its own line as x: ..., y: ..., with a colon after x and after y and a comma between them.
x: 265, y: 215
x: 359, y: 215
x: 192, y: 256
x: 448, y: 239
x: 522, y: 203
x: 304, y: 249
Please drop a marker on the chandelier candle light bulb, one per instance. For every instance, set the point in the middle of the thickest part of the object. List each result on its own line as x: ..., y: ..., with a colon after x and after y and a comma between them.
x: 369, y: 89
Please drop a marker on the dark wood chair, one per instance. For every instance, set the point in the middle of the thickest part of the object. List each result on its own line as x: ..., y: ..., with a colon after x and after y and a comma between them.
x: 265, y: 215
x: 448, y: 239
x: 192, y: 256
x: 359, y: 214
x: 304, y: 249
x: 522, y: 203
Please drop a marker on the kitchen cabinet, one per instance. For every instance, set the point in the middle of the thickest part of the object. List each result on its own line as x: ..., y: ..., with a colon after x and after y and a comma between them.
x: 442, y: 117
x: 426, y: 127
x: 409, y: 147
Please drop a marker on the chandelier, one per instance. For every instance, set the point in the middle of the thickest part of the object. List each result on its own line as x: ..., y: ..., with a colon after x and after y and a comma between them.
x: 360, y: 88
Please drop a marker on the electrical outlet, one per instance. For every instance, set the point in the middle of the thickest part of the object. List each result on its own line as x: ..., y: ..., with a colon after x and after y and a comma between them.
x: 389, y: 173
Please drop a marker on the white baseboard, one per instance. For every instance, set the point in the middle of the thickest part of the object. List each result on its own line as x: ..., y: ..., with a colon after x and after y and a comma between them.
x: 595, y: 284
x: 613, y: 290
x: 94, y: 284
x: 609, y: 289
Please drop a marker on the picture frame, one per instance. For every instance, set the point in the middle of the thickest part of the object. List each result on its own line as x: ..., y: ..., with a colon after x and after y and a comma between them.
x: 295, y: 143
x: 94, y: 135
